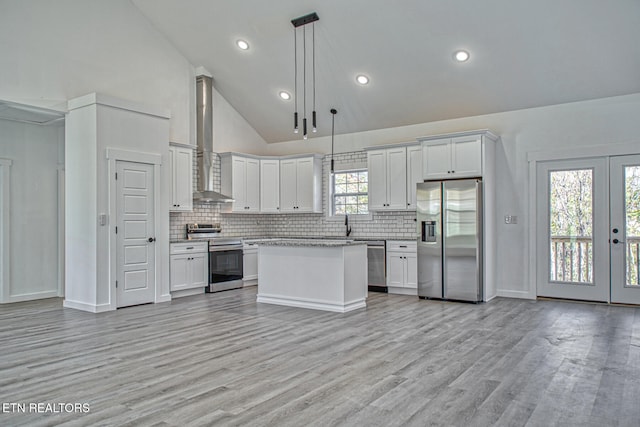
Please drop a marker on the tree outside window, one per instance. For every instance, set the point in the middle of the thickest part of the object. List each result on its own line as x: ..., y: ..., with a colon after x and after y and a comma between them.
x: 350, y: 193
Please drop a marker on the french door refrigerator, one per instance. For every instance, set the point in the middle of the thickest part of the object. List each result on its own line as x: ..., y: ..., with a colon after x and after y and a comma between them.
x: 449, y: 217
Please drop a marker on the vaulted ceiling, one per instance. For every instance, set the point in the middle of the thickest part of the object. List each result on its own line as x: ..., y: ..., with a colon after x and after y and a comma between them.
x: 523, y: 54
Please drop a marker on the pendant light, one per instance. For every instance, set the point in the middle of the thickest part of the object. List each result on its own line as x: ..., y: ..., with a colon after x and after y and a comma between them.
x: 302, y: 22
x: 333, y: 112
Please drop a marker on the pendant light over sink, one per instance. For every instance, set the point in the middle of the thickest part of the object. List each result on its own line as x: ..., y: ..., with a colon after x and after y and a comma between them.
x: 303, y: 21
x: 333, y: 112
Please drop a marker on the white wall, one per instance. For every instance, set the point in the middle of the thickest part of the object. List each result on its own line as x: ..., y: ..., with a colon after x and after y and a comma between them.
x: 231, y: 132
x: 575, y: 125
x: 53, y: 51
x: 94, y: 126
x: 36, y: 155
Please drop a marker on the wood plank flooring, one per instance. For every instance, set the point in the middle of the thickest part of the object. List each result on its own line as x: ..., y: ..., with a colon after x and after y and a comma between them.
x: 222, y: 359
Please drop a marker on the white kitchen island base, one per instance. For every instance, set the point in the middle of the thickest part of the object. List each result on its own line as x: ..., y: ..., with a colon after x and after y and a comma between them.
x: 321, y: 275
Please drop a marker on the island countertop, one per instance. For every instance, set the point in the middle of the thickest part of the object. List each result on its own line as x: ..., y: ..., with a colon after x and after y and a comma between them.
x: 310, y: 242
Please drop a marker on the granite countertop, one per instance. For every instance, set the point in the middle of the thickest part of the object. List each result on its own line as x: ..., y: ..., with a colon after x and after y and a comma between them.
x: 310, y: 242
x: 320, y: 240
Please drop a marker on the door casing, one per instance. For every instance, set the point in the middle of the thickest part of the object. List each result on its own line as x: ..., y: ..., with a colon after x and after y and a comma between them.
x: 114, y: 155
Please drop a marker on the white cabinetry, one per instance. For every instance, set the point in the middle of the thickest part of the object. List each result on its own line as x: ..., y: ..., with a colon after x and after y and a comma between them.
x: 181, y: 165
x: 402, y: 267
x: 250, y: 264
x: 387, y: 179
x: 269, y: 185
x: 414, y: 173
x: 456, y: 157
x: 188, y: 265
x: 301, y: 184
x: 240, y: 177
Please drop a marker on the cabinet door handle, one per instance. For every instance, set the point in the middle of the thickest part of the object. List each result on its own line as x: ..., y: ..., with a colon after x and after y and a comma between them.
x: 189, y: 248
x: 403, y: 246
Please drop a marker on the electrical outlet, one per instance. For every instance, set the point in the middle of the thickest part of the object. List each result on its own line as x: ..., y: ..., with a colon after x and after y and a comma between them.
x: 510, y: 219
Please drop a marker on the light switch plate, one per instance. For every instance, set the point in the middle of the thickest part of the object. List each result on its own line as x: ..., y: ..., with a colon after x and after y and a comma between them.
x: 510, y: 219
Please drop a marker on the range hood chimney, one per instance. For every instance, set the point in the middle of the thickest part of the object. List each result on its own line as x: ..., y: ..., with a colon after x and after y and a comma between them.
x: 204, y: 139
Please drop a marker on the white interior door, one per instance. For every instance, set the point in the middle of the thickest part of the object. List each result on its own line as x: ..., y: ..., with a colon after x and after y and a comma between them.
x: 135, y: 237
x: 573, y: 222
x: 625, y: 229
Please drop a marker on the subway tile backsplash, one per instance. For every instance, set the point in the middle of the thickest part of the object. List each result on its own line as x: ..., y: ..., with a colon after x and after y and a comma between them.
x: 383, y: 225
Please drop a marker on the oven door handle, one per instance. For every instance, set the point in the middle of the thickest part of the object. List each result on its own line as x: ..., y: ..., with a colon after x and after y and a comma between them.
x: 225, y: 248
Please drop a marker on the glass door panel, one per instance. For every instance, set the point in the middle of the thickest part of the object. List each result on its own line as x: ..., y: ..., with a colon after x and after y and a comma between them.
x: 572, y: 236
x: 625, y: 229
x: 571, y: 226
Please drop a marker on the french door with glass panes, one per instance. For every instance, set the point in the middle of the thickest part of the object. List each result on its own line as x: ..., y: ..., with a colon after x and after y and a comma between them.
x: 625, y: 229
x: 588, y: 218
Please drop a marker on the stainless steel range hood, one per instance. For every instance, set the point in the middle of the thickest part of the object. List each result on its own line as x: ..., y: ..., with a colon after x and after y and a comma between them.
x: 204, y: 139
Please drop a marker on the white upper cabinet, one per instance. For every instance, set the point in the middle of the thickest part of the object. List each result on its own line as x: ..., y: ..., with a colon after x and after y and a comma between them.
x: 414, y: 173
x: 301, y: 184
x: 457, y: 157
x: 387, y: 179
x: 240, y: 177
x: 270, y: 185
x: 181, y: 165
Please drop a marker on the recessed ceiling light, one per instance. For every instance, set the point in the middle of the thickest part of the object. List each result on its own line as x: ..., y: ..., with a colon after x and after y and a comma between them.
x: 362, y: 79
x: 461, y: 55
x: 285, y: 95
x: 242, y: 44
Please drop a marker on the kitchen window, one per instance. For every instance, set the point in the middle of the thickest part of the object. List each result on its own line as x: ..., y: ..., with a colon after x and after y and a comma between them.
x: 350, y: 193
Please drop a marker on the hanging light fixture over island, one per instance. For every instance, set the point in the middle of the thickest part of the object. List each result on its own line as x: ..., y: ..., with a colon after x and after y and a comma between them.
x: 297, y: 23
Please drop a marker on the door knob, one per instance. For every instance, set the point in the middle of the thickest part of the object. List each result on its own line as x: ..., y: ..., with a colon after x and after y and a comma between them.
x: 151, y: 239
x: 616, y: 241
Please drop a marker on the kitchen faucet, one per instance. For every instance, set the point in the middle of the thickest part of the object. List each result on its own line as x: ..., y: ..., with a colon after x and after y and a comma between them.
x: 346, y: 225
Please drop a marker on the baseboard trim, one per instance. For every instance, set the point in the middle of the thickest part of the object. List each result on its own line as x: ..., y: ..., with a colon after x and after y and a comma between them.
x: 314, y: 305
x: 515, y: 294
x: 31, y: 297
x: 91, y: 308
x: 187, y: 292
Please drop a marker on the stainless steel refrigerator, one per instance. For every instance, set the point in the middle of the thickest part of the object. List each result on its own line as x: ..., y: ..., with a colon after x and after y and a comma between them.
x: 449, y: 216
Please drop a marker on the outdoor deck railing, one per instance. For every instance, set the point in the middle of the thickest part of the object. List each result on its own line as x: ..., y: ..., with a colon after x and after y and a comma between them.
x: 572, y: 259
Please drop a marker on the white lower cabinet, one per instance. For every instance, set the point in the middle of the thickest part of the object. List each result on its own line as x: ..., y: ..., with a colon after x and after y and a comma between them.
x: 188, y: 266
x: 250, y: 264
x: 402, y: 267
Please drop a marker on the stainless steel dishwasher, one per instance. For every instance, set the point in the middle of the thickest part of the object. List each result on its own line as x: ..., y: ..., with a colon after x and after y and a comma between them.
x: 377, y: 259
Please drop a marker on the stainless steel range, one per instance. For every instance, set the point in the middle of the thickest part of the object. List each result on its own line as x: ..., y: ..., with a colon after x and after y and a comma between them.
x: 225, y: 256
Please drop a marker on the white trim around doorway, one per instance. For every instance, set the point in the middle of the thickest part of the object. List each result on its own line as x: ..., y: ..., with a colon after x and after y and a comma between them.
x: 113, y: 155
x: 5, y: 253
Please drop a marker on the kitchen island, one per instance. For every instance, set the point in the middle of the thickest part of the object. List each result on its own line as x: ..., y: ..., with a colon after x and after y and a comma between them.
x: 326, y: 275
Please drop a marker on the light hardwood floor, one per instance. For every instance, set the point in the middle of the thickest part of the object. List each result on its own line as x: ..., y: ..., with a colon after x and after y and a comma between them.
x: 223, y: 359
